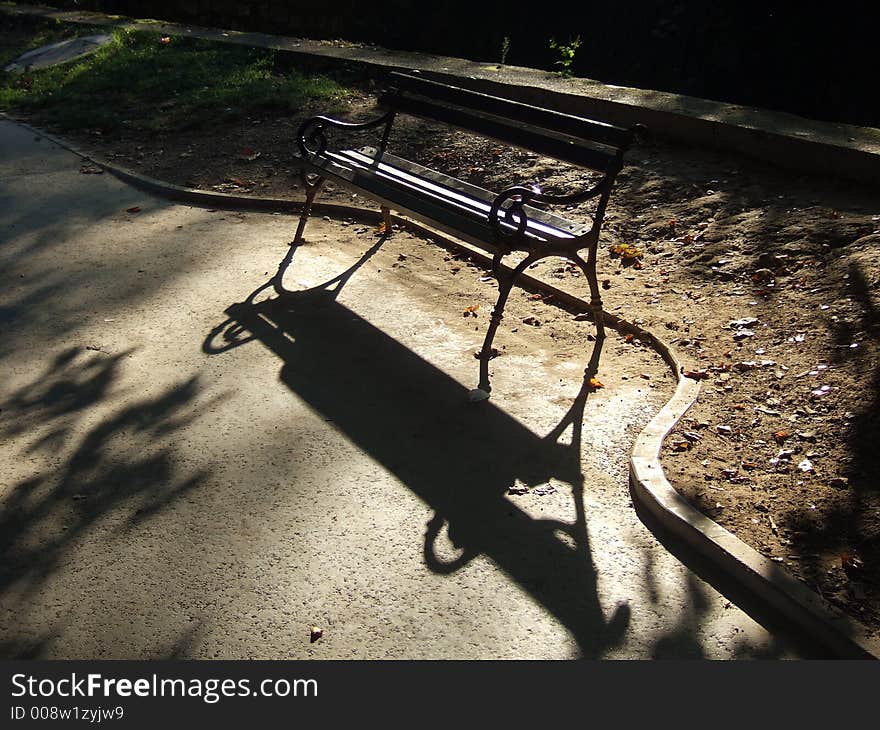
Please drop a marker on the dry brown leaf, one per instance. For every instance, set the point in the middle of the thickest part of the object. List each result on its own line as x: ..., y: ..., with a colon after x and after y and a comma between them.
x: 248, y: 154
x: 696, y: 374
x: 626, y: 251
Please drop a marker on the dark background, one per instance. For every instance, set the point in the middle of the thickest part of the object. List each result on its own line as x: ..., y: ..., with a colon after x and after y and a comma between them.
x: 819, y: 60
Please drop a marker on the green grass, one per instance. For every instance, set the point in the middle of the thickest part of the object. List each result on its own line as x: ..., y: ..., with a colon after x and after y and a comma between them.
x: 137, y: 82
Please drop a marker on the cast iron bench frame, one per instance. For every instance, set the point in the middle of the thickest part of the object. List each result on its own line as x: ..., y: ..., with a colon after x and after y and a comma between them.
x: 511, y: 221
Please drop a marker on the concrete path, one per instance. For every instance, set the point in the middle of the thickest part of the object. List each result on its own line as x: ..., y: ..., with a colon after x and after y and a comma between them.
x: 184, y: 476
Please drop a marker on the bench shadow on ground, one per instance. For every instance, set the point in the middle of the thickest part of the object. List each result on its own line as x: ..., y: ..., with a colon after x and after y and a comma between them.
x: 460, y: 458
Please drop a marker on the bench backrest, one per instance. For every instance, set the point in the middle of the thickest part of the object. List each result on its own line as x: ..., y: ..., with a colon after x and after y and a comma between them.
x: 565, y: 137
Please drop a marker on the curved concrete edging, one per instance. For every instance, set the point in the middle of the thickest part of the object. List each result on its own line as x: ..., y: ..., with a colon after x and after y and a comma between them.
x: 650, y: 489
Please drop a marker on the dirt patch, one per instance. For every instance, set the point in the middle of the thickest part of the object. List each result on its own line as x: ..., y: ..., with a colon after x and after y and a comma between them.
x: 766, y: 280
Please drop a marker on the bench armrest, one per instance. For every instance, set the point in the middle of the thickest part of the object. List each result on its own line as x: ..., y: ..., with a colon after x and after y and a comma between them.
x: 310, y: 137
x: 508, y: 206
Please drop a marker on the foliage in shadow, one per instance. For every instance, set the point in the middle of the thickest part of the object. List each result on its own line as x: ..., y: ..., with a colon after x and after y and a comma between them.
x: 847, y: 527
x: 119, y: 472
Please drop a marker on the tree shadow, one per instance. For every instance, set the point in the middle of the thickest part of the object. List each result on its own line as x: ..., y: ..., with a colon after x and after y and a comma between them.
x: 114, y: 473
x: 683, y: 640
x: 460, y: 458
x: 849, y: 523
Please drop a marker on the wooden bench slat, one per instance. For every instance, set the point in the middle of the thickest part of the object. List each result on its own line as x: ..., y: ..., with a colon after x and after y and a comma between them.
x: 401, y: 168
x: 557, y: 146
x: 479, y: 207
x: 465, y: 214
x: 549, y: 119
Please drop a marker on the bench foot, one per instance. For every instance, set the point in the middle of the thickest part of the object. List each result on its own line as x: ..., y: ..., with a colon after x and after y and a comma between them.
x: 312, y: 185
x: 477, y: 394
x: 386, y: 220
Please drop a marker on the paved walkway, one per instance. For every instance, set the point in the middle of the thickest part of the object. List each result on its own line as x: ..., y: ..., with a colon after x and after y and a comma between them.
x: 185, y: 479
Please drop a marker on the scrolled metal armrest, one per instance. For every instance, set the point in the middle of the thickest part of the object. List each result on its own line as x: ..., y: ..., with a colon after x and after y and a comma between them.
x: 520, y: 196
x: 311, y: 131
x: 513, y: 215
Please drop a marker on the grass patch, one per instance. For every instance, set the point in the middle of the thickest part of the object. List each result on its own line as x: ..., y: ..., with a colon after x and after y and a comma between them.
x: 141, y: 83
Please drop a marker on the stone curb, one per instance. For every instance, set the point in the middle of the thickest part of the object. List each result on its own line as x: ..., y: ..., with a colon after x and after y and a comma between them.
x: 807, y: 610
x: 649, y: 487
x: 780, y: 138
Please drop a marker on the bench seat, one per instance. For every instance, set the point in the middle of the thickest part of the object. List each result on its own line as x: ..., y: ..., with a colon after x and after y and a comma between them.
x: 433, y: 197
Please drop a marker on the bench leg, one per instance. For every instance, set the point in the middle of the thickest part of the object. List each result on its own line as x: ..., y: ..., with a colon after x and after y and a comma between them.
x: 386, y: 220
x: 312, y: 184
x: 505, y: 284
x: 589, y: 269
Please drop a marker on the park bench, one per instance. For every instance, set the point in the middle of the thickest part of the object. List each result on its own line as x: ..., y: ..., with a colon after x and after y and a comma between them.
x: 513, y: 220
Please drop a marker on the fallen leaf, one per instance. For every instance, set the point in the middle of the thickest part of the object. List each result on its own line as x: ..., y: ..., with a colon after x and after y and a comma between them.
x: 625, y: 251
x: 595, y: 383
x: 780, y: 436
x: 851, y: 563
x: 737, y: 324
x: 471, y: 311
x: 696, y: 374
x: 248, y: 154
x: 133, y: 209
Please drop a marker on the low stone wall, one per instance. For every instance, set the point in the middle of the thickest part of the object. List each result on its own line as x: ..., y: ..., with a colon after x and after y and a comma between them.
x: 794, y: 57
